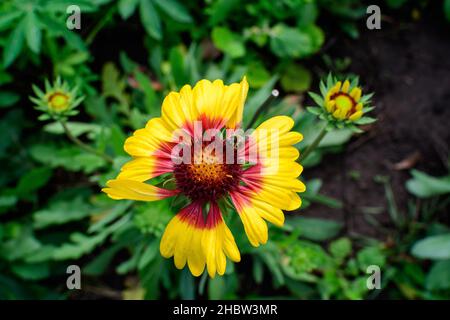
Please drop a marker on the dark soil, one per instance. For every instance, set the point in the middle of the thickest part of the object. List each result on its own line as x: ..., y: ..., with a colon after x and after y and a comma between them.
x: 408, y: 68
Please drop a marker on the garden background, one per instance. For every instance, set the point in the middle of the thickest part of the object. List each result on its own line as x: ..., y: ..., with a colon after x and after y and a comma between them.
x: 380, y: 197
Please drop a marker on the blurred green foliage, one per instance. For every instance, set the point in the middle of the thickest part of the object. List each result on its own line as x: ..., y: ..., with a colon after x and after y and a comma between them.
x: 52, y: 213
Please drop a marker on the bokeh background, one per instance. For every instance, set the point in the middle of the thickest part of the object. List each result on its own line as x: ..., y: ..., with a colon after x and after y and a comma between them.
x: 376, y: 198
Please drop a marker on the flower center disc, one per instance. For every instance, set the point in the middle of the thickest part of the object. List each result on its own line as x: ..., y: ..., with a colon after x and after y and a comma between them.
x: 58, y: 101
x: 344, y: 101
x: 208, y: 180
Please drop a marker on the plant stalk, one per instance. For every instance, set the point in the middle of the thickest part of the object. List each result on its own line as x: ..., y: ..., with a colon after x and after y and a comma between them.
x: 315, y: 143
x: 84, y: 146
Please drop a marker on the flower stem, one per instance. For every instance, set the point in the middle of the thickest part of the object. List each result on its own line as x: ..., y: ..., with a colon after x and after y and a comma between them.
x: 315, y: 143
x: 100, y: 24
x: 82, y: 145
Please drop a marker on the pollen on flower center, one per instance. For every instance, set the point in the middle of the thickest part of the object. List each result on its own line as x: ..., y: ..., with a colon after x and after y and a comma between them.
x: 207, y: 172
x: 207, y: 180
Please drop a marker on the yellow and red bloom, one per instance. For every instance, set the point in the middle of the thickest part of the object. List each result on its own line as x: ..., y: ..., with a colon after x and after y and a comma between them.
x: 342, y: 103
x: 259, y: 176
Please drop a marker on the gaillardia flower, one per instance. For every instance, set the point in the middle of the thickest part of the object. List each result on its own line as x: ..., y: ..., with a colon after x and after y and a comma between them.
x: 199, y: 150
x: 58, y: 101
x: 342, y: 103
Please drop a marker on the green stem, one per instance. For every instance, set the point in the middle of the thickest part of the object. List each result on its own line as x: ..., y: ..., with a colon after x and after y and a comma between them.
x: 100, y: 24
x: 82, y: 145
x: 315, y: 143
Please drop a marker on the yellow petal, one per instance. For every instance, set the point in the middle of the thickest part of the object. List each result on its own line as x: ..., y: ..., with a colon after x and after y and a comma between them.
x: 145, y: 142
x: 170, y: 236
x: 345, y: 86
x: 356, y: 94
x: 282, y: 168
x: 287, y: 183
x: 337, y: 86
x: 236, y: 118
x: 254, y: 226
x: 355, y: 116
x: 196, y: 259
x: 230, y: 247
x: 173, y: 113
x: 330, y: 105
x: 145, y: 168
x: 290, y: 138
x: 268, y: 212
x: 280, y: 123
x: 182, y: 239
x: 135, y: 190
x: 295, y: 202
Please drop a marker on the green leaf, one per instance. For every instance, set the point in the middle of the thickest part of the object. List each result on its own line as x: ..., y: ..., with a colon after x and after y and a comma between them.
x: 216, y: 288
x: 76, y: 128
x: 150, y: 19
x: 175, y: 10
x: 304, y: 258
x: 317, y: 99
x: 228, y: 42
x: 80, y: 245
x: 447, y: 9
x: 341, y: 248
x: 314, y: 228
x: 127, y: 8
x: 314, y: 110
x: 100, y: 264
x: 21, y: 246
x: 368, y: 256
x: 71, y: 158
x: 7, y: 19
x: 395, y: 3
x: 220, y: 10
x: 336, y: 138
x: 7, y: 201
x: 8, y: 98
x: 438, y: 277
x: 148, y: 255
x: 316, y: 36
x: 33, y: 32
x: 14, y: 44
x: 177, y: 66
x: 36, y: 271
x: 296, y: 78
x: 150, y: 96
x: 423, y: 185
x: 434, y: 247
x: 62, y: 212
x: 33, y: 180
x: 258, y: 98
x: 365, y: 120
x: 270, y: 258
x: 187, y: 285
x: 290, y: 42
x: 55, y: 26
x: 257, y: 74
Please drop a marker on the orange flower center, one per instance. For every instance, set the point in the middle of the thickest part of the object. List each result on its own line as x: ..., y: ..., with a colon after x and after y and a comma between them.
x: 207, y: 172
x: 207, y: 180
x: 344, y: 102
